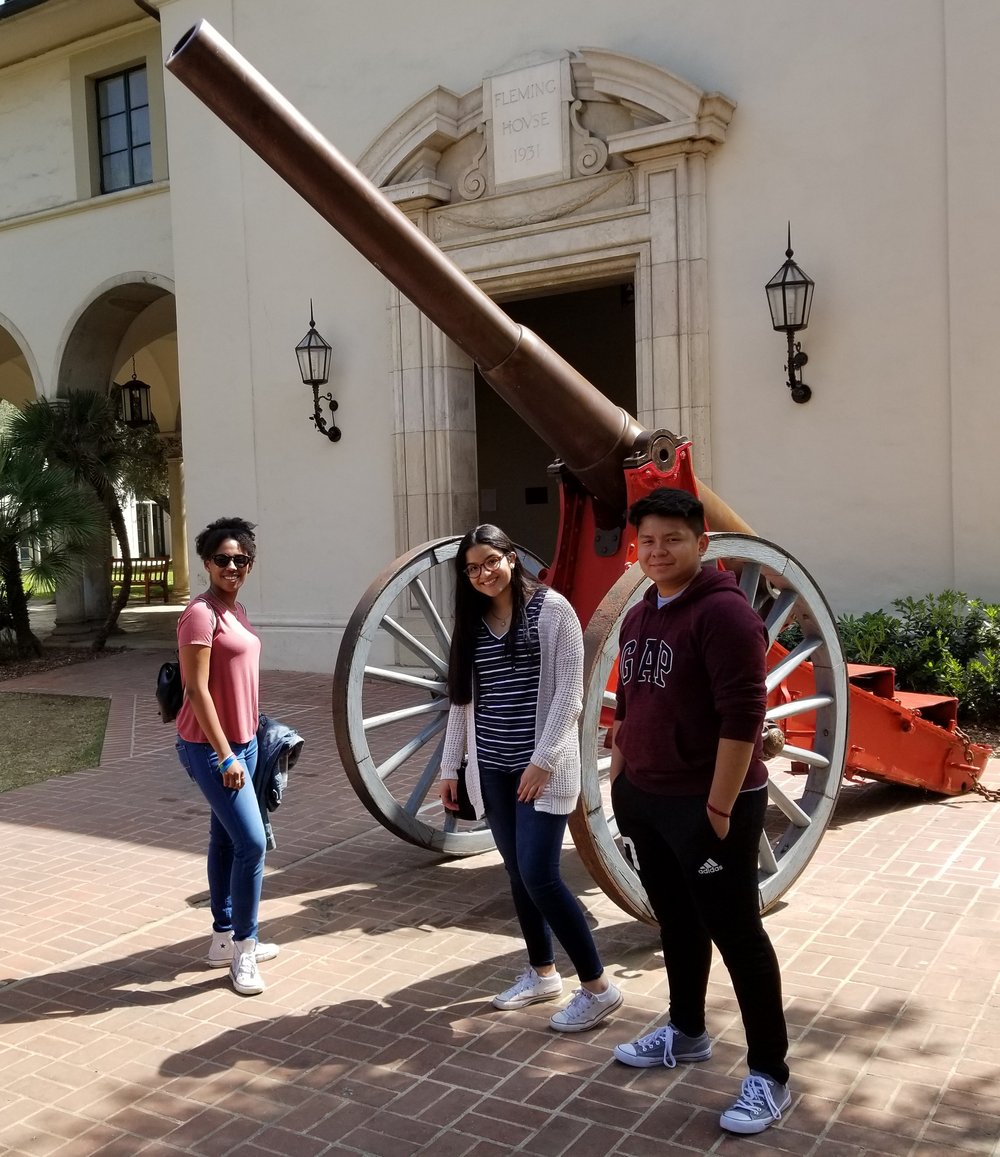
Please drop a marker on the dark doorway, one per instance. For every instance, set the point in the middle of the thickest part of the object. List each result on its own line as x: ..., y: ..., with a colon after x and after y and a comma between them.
x: 594, y: 330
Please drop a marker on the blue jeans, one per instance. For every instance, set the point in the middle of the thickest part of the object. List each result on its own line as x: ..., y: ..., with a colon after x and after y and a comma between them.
x: 235, y: 837
x: 530, y: 843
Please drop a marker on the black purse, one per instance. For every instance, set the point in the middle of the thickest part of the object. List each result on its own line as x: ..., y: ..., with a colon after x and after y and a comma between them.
x: 169, y: 687
x: 465, y: 809
x: 169, y: 691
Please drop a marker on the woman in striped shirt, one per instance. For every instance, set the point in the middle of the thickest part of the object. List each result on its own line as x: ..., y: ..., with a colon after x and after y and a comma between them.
x: 515, y: 680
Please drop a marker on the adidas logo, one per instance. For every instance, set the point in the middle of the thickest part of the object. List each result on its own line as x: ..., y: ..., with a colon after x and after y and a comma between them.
x: 708, y: 867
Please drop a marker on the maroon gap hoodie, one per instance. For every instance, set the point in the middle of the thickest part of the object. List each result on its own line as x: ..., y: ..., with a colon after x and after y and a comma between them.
x: 690, y: 673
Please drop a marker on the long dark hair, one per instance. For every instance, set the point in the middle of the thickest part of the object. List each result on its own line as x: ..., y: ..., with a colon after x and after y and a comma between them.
x: 471, y: 605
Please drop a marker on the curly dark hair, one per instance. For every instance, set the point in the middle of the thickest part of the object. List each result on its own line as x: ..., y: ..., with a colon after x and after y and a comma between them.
x: 216, y: 533
x: 471, y: 605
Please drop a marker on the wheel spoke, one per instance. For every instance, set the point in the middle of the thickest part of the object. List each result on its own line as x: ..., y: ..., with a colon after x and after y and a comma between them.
x: 436, y: 705
x: 431, y: 614
x: 791, y: 662
x: 435, y: 686
x: 749, y: 580
x: 798, y: 707
x: 401, y: 635
x: 787, y: 806
x: 766, y: 861
x: 423, y: 784
x: 779, y: 615
x: 802, y: 755
x: 414, y: 745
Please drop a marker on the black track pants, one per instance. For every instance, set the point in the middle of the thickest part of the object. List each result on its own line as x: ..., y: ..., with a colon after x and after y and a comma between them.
x: 704, y: 890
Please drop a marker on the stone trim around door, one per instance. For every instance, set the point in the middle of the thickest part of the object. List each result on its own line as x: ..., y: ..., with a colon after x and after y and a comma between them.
x: 621, y: 195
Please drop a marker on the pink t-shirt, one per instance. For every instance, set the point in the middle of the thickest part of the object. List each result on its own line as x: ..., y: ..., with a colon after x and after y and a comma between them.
x: 234, y: 667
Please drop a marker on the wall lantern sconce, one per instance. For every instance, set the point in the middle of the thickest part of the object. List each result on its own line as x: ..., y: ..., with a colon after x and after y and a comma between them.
x: 314, y: 366
x: 134, y: 406
x: 789, y: 297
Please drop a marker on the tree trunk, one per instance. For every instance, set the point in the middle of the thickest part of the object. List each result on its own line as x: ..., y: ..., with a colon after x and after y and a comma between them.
x: 113, y: 507
x: 17, y: 603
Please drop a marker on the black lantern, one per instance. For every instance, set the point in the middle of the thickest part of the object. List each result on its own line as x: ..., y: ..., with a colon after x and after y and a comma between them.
x: 134, y: 407
x: 314, y: 367
x: 789, y: 298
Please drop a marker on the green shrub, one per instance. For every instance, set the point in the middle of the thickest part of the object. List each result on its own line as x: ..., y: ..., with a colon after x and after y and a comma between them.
x: 946, y: 644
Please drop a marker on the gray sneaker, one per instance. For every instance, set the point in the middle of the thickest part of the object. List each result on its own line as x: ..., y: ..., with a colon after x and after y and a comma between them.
x: 529, y: 988
x: 759, y: 1105
x: 586, y: 1009
x: 664, y: 1046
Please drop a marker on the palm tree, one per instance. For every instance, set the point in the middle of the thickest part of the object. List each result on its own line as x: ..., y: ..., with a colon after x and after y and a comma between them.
x: 81, y: 432
x: 42, y: 504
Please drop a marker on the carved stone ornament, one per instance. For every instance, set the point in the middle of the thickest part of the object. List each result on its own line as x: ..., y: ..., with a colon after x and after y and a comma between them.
x: 541, y: 120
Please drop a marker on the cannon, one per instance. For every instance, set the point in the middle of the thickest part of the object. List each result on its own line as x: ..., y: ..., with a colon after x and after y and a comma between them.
x: 389, y: 693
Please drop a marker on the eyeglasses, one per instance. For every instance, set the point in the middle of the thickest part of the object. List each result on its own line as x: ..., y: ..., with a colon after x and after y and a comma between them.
x: 475, y: 569
x: 240, y: 561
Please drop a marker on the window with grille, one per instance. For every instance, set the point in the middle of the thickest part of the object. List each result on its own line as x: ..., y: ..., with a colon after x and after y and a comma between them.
x: 126, y: 155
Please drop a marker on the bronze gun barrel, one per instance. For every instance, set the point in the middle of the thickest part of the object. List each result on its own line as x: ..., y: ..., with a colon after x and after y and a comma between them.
x: 590, y: 433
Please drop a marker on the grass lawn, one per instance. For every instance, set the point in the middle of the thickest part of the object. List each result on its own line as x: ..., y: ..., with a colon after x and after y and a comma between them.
x: 45, y: 735
x: 44, y: 593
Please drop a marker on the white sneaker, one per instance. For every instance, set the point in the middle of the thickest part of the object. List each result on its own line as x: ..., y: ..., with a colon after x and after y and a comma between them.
x: 529, y: 988
x: 220, y: 951
x: 243, y: 970
x: 586, y: 1009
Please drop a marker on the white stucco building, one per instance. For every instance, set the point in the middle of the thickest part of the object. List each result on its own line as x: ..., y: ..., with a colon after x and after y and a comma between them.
x: 633, y: 226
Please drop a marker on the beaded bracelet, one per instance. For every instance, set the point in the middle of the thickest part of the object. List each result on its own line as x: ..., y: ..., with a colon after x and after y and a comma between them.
x: 715, y: 811
x: 227, y: 763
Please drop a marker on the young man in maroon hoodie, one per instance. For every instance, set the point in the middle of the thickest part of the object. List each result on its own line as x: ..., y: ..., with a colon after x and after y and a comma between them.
x: 689, y: 792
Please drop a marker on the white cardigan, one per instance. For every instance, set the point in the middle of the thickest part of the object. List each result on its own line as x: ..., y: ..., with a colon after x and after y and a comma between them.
x: 560, y: 701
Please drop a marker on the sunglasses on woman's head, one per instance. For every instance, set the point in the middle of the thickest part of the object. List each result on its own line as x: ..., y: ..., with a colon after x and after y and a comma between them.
x: 240, y: 561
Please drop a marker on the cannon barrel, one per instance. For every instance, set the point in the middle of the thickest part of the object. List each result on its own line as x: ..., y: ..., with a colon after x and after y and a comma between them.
x: 590, y: 433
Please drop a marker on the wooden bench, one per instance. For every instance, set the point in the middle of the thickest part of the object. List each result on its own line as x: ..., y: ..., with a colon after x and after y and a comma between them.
x: 147, y: 573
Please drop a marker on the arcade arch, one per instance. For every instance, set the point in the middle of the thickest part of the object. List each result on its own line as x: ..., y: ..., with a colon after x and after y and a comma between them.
x: 18, y: 370
x: 130, y: 316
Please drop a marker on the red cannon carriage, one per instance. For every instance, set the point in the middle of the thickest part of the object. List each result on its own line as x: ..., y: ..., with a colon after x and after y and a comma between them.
x: 389, y: 699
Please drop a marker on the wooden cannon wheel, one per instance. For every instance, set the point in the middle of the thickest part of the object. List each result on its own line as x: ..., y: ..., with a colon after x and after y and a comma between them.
x: 799, y: 806
x: 390, y: 699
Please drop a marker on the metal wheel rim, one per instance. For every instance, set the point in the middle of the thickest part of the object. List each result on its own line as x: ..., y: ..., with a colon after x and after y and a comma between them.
x: 779, y: 586
x: 404, y: 798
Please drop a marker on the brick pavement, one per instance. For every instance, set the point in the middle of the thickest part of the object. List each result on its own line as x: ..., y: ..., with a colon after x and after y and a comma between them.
x: 375, y: 1035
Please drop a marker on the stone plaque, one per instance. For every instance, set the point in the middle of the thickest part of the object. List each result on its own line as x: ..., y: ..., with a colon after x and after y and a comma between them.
x: 526, y: 117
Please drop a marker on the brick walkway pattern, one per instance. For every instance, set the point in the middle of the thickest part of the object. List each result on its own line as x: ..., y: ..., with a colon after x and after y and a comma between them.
x: 376, y: 1036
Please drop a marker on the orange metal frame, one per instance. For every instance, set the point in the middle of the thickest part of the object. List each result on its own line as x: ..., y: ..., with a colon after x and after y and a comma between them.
x: 893, y: 735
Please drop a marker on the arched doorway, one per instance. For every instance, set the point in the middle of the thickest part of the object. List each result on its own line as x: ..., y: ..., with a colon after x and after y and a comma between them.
x: 132, y: 316
x: 559, y: 173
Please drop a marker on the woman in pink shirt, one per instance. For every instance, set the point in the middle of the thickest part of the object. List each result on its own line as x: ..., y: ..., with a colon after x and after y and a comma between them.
x: 217, y: 745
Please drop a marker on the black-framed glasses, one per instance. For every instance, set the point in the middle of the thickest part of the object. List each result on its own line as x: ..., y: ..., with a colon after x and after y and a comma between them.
x: 240, y: 561
x: 475, y: 569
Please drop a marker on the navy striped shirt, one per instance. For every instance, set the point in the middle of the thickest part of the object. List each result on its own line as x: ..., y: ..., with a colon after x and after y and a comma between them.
x: 507, y: 692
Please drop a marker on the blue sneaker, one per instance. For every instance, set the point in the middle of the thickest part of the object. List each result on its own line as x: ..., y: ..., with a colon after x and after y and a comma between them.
x: 664, y: 1046
x: 758, y: 1106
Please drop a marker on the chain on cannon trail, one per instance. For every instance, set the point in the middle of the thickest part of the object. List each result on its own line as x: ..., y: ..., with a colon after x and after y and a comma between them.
x: 992, y: 795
